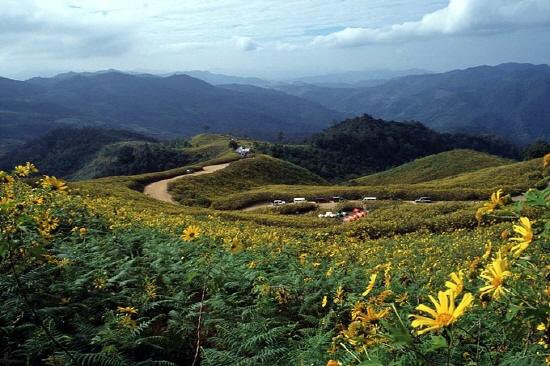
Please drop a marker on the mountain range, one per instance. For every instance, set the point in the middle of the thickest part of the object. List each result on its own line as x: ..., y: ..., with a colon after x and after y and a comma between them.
x: 509, y: 101
x: 165, y: 107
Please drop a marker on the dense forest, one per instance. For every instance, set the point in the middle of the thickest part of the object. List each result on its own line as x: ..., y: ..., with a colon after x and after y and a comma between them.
x: 64, y: 151
x: 365, y: 145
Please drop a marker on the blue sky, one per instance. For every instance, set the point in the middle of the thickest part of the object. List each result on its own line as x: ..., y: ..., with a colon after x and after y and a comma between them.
x: 268, y: 38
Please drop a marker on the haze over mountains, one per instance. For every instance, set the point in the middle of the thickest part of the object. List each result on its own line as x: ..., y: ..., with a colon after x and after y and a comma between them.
x: 509, y: 100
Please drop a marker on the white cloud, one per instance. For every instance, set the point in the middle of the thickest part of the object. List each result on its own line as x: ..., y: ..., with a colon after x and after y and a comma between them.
x: 54, y: 30
x: 245, y: 44
x: 460, y: 17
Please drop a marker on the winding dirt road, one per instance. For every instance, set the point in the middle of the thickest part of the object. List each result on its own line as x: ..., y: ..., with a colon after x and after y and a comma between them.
x: 159, y: 190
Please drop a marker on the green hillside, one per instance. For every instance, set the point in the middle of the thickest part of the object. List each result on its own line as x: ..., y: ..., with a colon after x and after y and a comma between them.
x: 99, y: 273
x: 442, y: 165
x: 241, y: 176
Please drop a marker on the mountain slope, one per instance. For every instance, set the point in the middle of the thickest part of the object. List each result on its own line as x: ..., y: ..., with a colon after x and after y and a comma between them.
x: 64, y: 151
x: 174, y: 106
x: 442, y: 165
x: 509, y: 100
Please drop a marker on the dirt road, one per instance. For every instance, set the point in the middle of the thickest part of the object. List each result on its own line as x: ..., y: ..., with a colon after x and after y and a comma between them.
x: 159, y: 190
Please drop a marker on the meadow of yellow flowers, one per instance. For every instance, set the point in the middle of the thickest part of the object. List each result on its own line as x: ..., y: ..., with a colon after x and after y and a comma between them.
x: 93, y: 280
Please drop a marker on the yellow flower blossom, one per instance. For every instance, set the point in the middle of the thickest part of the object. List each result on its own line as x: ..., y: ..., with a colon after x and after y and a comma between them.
x: 445, y: 313
x: 488, y: 250
x: 545, y: 161
x: 99, y: 283
x: 338, y: 296
x: 127, y: 310
x: 324, y: 302
x: 54, y: 184
x: 370, y: 285
x: 233, y: 245
x: 370, y: 315
x: 191, y: 233
x: 458, y: 282
x: 402, y: 299
x: 495, y: 274
x: 489, y: 207
x: 526, y: 236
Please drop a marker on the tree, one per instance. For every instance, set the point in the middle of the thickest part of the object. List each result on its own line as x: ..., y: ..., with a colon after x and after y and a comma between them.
x: 538, y: 149
x: 280, y: 136
x: 205, y: 128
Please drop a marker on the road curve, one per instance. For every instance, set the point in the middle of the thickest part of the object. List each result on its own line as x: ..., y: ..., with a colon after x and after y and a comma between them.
x: 159, y: 190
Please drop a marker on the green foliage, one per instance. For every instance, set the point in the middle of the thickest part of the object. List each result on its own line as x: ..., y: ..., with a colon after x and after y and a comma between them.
x: 537, y: 149
x: 63, y: 151
x: 106, y: 277
x: 360, y: 146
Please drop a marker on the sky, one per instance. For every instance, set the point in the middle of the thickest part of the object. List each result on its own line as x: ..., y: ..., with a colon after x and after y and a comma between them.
x: 274, y: 39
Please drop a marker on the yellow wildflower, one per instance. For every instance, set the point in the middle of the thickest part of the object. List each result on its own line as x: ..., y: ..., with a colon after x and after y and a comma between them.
x: 54, y: 184
x: 446, y: 312
x: 233, y: 244
x: 127, y: 310
x: 338, y: 296
x: 99, y: 283
x: 487, y: 250
x: 402, y: 299
x: 370, y: 285
x: 324, y: 302
x: 545, y: 161
x: 371, y: 315
x: 526, y: 236
x: 191, y: 233
x: 489, y: 207
x: 495, y: 274
x: 127, y: 320
x: 458, y: 282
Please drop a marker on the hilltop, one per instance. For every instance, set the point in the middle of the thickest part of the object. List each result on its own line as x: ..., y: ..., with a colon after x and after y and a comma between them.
x: 429, y: 168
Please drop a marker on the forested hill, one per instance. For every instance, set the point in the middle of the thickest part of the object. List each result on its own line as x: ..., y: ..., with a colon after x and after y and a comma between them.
x: 64, y: 151
x: 365, y: 145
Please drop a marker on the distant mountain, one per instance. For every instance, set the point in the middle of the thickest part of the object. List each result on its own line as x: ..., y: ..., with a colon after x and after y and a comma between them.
x: 218, y: 79
x: 358, y: 78
x: 166, y: 107
x: 509, y: 100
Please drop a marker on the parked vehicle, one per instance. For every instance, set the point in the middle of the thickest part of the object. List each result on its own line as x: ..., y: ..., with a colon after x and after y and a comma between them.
x: 321, y: 200
x: 327, y: 215
x: 369, y: 199
x: 338, y: 199
x: 423, y: 200
x: 190, y: 171
x: 278, y: 203
x: 299, y: 200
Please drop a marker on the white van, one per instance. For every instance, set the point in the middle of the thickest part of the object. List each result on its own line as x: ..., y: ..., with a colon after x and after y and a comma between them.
x: 369, y: 199
x: 299, y: 200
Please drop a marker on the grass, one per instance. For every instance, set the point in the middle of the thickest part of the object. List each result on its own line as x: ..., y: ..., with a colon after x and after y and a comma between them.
x: 443, y: 165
